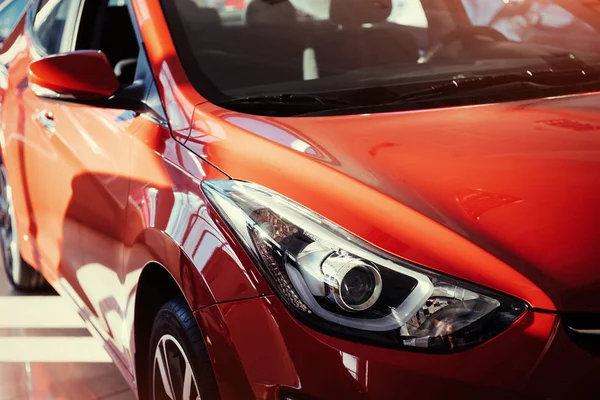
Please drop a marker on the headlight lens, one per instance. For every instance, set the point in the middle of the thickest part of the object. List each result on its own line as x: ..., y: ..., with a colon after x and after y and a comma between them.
x: 337, y: 283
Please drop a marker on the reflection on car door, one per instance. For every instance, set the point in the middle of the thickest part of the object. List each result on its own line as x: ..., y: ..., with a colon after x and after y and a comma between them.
x: 76, y: 177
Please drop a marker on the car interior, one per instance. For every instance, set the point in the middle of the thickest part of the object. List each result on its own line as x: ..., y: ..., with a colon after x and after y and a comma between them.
x: 271, y: 46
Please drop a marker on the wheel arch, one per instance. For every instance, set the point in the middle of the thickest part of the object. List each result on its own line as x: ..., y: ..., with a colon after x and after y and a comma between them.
x: 195, y: 258
x: 157, y: 269
x: 156, y: 286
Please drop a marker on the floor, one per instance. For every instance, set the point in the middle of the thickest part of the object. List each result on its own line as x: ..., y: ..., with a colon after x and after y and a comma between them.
x: 46, y: 352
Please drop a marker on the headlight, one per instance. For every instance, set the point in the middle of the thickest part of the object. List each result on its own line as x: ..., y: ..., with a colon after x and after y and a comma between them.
x: 337, y: 283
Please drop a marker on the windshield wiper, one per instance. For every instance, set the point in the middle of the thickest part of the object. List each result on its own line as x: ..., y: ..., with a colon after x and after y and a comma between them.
x: 566, y: 69
x: 507, y: 85
x: 287, y: 104
x: 540, y: 79
x: 503, y: 86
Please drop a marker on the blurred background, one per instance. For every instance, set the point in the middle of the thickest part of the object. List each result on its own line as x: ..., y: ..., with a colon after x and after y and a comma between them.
x: 47, y: 353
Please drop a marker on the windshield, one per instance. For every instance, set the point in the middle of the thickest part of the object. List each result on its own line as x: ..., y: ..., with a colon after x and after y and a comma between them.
x: 238, y: 49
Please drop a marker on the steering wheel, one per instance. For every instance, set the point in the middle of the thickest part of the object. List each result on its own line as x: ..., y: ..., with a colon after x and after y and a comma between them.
x: 462, y: 34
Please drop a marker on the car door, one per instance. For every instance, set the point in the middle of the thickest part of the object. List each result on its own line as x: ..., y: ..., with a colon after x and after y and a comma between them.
x: 30, y: 149
x: 76, y: 160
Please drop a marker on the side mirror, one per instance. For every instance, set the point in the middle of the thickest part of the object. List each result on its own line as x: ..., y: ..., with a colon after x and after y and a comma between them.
x: 79, y: 76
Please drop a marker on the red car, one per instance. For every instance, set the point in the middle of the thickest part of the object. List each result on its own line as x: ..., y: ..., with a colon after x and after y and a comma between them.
x: 382, y: 200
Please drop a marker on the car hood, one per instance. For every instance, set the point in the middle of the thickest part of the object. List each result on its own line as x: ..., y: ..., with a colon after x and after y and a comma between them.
x: 520, y: 180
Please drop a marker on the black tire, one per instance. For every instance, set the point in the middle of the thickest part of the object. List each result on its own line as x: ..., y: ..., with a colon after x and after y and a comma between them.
x: 176, y: 331
x: 21, y: 275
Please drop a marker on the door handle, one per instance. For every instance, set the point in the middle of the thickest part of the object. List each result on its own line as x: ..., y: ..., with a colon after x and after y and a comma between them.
x: 46, y: 118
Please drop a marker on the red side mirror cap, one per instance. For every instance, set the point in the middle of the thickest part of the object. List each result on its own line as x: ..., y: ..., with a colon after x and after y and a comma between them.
x: 80, y: 75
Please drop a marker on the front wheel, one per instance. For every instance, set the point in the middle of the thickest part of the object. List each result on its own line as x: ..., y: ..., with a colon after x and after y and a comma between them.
x: 180, y: 368
x: 20, y: 274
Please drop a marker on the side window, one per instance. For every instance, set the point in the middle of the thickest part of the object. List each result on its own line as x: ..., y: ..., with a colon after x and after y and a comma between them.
x: 106, y: 25
x: 54, y: 23
x: 10, y: 13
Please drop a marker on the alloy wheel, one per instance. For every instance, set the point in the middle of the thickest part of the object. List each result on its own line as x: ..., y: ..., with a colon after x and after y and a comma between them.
x: 172, y: 376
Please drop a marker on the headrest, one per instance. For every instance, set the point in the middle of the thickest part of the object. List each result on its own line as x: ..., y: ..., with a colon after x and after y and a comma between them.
x: 358, y: 12
x: 199, y: 17
x: 270, y: 12
x: 207, y: 16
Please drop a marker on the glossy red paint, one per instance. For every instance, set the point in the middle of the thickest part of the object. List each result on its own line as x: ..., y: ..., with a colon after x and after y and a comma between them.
x: 502, y: 195
x: 69, y: 74
x: 517, y: 364
x: 512, y: 201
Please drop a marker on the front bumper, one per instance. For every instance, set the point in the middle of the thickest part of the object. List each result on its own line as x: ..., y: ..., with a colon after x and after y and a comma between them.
x: 260, y: 351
